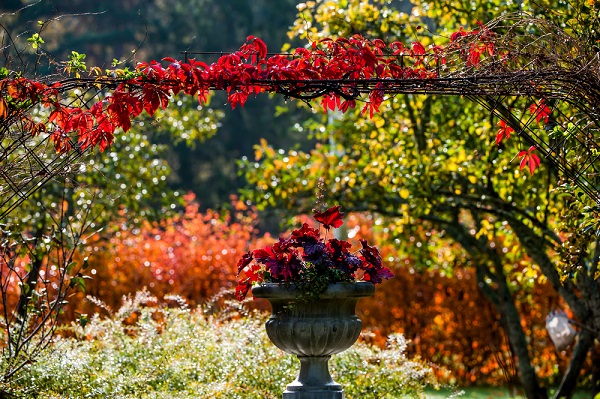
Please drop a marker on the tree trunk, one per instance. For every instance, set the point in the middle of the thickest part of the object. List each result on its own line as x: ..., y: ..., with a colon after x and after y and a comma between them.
x: 30, y: 283
x: 501, y: 297
x: 569, y: 381
x: 518, y: 341
x: 596, y: 369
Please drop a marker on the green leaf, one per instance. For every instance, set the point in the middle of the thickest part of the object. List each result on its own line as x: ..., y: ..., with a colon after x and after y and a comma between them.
x: 77, y: 282
x: 36, y: 40
x: 83, y: 319
x: 70, y: 267
x: 25, y: 288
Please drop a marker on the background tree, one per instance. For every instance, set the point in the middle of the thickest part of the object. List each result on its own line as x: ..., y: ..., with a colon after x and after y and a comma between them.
x: 47, y: 239
x: 431, y: 166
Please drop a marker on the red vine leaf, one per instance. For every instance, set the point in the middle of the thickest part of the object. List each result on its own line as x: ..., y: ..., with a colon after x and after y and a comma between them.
x: 458, y: 34
x: 417, y: 48
x: 529, y: 158
x: 153, y: 98
x: 541, y: 111
x: 504, y: 132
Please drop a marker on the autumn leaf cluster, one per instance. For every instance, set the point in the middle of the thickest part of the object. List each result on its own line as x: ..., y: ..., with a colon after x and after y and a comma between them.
x: 249, y: 71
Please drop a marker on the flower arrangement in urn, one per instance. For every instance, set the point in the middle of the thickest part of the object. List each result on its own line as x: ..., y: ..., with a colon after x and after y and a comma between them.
x: 311, y: 262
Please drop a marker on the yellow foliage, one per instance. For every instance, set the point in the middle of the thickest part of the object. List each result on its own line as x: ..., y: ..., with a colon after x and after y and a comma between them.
x: 258, y: 153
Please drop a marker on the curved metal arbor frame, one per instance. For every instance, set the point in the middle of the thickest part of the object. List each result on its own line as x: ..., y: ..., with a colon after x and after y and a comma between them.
x: 532, y: 59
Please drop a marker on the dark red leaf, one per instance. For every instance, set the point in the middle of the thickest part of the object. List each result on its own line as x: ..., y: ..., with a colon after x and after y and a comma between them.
x: 244, y: 261
x: 305, y: 234
x: 332, y: 217
x: 456, y: 35
x: 371, y: 254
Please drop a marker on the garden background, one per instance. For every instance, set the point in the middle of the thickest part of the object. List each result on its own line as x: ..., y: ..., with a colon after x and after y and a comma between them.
x: 182, y: 196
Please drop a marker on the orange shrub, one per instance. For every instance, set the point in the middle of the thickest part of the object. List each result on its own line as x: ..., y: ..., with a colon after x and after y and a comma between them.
x: 193, y: 255
x: 451, y: 323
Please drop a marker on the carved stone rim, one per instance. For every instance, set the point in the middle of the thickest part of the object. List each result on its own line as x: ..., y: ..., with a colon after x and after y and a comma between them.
x: 357, y: 289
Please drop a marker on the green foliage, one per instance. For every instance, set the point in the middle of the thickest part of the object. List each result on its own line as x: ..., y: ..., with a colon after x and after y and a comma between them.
x: 315, y: 281
x: 185, y: 121
x: 368, y: 372
x: 147, y: 351
x: 35, y: 40
x: 76, y: 64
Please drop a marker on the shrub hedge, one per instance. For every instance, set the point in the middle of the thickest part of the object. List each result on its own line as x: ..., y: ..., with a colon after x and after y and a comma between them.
x: 148, y: 349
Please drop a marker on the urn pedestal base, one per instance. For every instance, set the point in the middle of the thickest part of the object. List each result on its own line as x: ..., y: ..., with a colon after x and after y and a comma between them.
x: 319, y: 394
x: 314, y: 381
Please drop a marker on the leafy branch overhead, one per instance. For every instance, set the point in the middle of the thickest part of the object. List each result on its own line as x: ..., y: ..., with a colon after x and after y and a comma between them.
x: 483, y: 63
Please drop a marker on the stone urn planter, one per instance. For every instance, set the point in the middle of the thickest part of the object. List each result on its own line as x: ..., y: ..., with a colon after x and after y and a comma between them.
x: 313, y: 332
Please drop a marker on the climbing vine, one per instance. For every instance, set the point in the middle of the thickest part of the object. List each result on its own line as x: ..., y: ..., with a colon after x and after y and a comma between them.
x: 487, y: 64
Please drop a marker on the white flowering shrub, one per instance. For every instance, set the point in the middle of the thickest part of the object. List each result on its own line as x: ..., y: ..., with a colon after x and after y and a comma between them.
x: 148, y: 351
x: 366, y: 371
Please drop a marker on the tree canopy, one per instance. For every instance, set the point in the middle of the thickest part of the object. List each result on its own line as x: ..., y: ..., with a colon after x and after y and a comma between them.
x: 436, y: 170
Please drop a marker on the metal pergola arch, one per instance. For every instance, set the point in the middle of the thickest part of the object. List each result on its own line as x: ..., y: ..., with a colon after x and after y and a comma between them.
x: 545, y: 64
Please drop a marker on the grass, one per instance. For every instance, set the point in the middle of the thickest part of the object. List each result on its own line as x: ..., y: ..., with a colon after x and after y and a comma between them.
x: 487, y: 393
